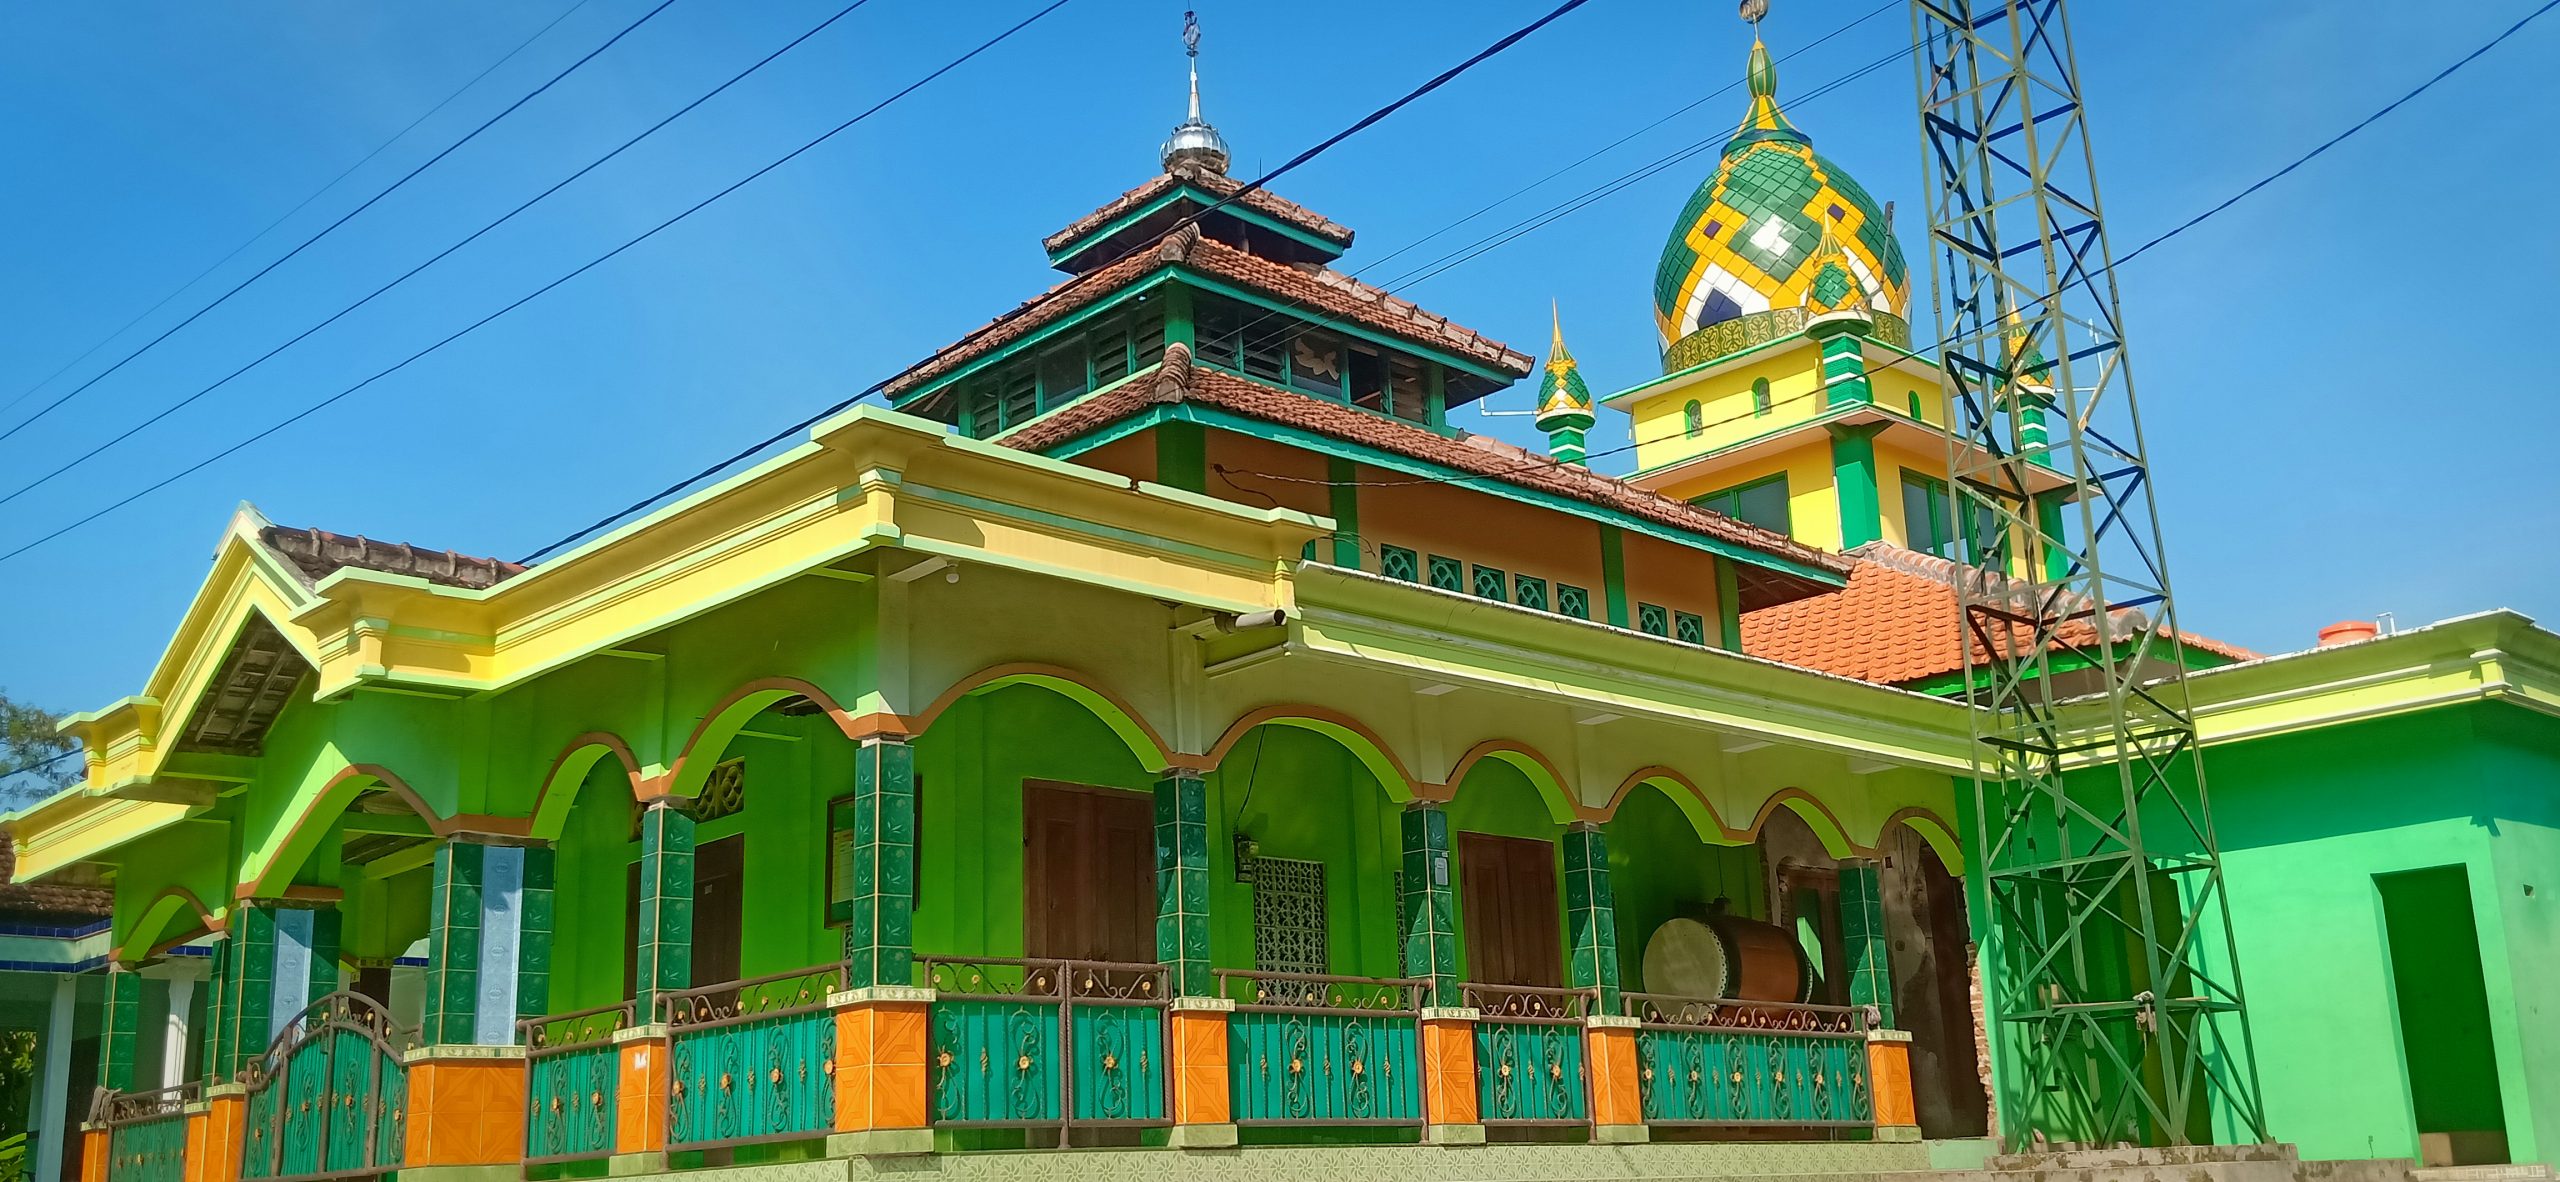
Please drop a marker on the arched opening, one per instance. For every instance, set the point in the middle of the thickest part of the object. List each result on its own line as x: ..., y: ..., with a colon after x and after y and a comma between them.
x: 1509, y: 872
x: 1931, y: 955
x: 1665, y: 865
x: 1304, y: 851
x: 1801, y: 881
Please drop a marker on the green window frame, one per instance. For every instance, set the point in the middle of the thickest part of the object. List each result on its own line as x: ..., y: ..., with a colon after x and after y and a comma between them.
x: 1448, y: 574
x: 1763, y: 502
x: 1760, y: 403
x: 1915, y: 407
x: 1573, y: 601
x: 1652, y: 620
x: 1396, y: 562
x: 1928, y: 519
x: 1693, y: 418
x: 1529, y: 593
x: 1689, y: 628
x: 1492, y: 584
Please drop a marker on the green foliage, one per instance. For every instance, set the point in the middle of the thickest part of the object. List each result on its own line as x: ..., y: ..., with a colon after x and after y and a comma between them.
x: 18, y: 1069
x: 35, y: 758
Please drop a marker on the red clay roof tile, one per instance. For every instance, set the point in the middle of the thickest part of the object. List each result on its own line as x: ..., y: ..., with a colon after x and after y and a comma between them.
x: 1217, y: 185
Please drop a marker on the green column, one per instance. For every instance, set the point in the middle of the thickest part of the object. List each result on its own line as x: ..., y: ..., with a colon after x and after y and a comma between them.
x: 875, y: 840
x: 665, y: 937
x: 453, y: 945
x: 1728, y: 606
x: 252, y: 982
x: 2057, y: 555
x: 217, y: 1008
x: 1853, y: 480
x: 1430, y: 907
x: 1613, y: 575
x: 1179, y: 321
x: 1844, y: 372
x: 489, y: 921
x: 1862, y: 938
x: 1182, y: 456
x: 536, y: 920
x: 118, y: 1023
x: 326, y: 923
x: 1343, y: 475
x: 1591, y: 913
x: 1182, y: 883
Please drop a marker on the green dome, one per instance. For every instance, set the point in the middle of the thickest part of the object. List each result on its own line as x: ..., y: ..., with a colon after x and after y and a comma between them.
x: 1741, y: 262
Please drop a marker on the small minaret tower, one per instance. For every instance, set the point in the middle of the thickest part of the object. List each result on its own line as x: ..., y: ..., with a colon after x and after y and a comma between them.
x: 1564, y: 399
x: 1194, y: 143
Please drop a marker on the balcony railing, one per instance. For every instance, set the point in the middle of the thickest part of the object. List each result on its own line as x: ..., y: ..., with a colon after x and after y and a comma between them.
x: 751, y: 1061
x: 146, y: 1132
x: 572, y: 1072
x: 1311, y: 1049
x: 1747, y: 1064
x: 1529, y: 1053
x: 1046, y: 1044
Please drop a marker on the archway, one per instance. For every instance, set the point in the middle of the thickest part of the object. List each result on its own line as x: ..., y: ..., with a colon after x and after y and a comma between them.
x: 1930, y: 953
x: 1671, y: 857
x: 1305, y: 841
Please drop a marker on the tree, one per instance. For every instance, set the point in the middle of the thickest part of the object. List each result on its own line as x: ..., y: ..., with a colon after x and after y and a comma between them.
x: 35, y: 758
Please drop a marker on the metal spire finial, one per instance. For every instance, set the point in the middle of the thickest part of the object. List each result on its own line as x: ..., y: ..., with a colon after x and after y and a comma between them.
x: 1194, y: 142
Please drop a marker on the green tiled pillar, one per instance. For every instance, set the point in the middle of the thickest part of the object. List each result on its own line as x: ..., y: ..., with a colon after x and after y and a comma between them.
x: 1591, y: 913
x: 488, y: 941
x: 1862, y: 939
x: 323, y: 953
x: 874, y: 846
x: 665, y: 938
x: 118, y: 1024
x: 1182, y: 883
x: 253, y: 968
x: 217, y: 1010
x: 1430, y: 910
x: 274, y: 960
x: 1853, y: 473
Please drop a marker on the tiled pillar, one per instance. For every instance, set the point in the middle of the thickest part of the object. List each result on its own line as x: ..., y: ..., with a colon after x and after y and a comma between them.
x: 1182, y: 884
x: 278, y: 958
x: 119, y: 1027
x: 1430, y: 912
x: 640, y: 1098
x: 1617, y: 1093
x: 1889, y: 1081
x: 665, y: 938
x: 1862, y: 939
x: 1203, y: 1111
x: 489, y: 919
x: 873, y: 844
x: 1449, y: 1109
x: 880, y: 1071
x: 1591, y: 914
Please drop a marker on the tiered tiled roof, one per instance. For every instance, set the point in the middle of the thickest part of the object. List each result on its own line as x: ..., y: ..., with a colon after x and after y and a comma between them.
x: 1179, y: 381
x: 317, y: 553
x: 1319, y: 290
x: 1217, y: 185
x: 1897, y: 622
x: 45, y: 900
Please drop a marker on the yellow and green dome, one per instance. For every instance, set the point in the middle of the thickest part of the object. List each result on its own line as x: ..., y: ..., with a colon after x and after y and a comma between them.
x: 1745, y: 257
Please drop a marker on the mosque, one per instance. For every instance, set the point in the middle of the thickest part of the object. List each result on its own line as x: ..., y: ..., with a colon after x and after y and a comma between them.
x: 1160, y: 733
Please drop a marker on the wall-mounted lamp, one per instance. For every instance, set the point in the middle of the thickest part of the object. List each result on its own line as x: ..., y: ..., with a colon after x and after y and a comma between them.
x: 1247, y: 850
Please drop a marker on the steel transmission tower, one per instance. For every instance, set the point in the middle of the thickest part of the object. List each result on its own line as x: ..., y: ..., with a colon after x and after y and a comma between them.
x: 2106, y: 952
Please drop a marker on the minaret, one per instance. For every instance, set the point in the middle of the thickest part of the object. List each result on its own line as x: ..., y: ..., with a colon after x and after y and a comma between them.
x: 1564, y: 399
x: 1837, y: 313
x: 1194, y: 143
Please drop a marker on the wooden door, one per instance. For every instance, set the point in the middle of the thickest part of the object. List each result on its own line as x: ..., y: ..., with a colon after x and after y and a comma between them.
x: 1507, y: 891
x: 1088, y: 873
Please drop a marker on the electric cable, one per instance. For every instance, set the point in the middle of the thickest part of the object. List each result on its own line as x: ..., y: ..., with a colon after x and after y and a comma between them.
x: 350, y: 215
x: 287, y: 215
x: 432, y: 260
x: 529, y: 297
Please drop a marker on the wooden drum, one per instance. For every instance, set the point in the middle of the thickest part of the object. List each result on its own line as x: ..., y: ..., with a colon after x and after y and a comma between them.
x: 1724, y: 956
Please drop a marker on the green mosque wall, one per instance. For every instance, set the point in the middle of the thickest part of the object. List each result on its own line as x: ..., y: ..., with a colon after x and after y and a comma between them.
x: 1660, y: 870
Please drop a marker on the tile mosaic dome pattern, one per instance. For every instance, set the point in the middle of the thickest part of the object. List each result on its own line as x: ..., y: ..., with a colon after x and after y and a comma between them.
x: 1564, y: 398
x: 1743, y: 258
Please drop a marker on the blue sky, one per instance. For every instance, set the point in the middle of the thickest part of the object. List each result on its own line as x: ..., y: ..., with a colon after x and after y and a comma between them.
x: 2322, y: 367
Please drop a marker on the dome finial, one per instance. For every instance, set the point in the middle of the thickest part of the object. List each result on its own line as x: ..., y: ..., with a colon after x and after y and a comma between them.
x: 1194, y: 142
x: 1564, y: 398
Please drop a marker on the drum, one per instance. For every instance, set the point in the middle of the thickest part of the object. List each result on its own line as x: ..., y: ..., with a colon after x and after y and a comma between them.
x: 1724, y: 956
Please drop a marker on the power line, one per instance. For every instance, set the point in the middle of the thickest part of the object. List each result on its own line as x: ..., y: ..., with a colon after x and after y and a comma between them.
x: 530, y: 296
x: 350, y: 215
x: 287, y: 215
x: 432, y: 260
x: 1258, y: 183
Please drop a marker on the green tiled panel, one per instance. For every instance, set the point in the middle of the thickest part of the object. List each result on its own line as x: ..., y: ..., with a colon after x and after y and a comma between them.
x: 569, y: 1102
x: 665, y: 935
x: 1591, y: 914
x: 1315, y: 1068
x: 150, y: 1150
x: 453, y: 944
x: 752, y: 1080
x: 879, y: 930
x: 993, y: 1062
x: 1182, y: 883
x: 1863, y: 939
x: 1529, y: 1071
x: 1120, y: 1069
x: 1739, y: 1077
x: 1428, y: 903
x: 123, y: 1004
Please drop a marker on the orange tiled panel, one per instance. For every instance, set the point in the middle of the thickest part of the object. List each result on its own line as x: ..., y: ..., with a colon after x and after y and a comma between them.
x: 880, y: 1074
x: 1200, y: 1083
x: 640, y: 1103
x: 853, y: 1068
x: 93, y: 1155
x: 1889, y: 1065
x: 192, y: 1168
x: 466, y: 1112
x: 1896, y: 622
x: 1615, y: 1100
x: 1449, y: 1071
x: 220, y: 1160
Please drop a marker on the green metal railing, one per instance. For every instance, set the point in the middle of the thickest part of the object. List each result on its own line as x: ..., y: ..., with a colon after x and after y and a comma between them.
x: 1047, y: 1043
x: 1311, y: 1049
x: 329, y: 1098
x: 751, y: 1060
x: 572, y: 1070
x: 1529, y: 1054
x: 146, y: 1132
x: 1749, y: 1064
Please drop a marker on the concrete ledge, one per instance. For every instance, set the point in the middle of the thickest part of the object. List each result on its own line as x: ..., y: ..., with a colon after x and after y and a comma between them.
x: 1897, y: 1132
x: 510, y: 1172
x: 1620, y: 1134
x: 1201, y: 1137
x: 458, y: 1052
x: 1219, y: 1005
x: 1452, y: 1014
x: 626, y: 1165
x: 1453, y: 1134
x: 879, y: 993
x: 881, y: 1143
x: 1884, y: 1035
x: 1612, y: 1022
x: 654, y: 1030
